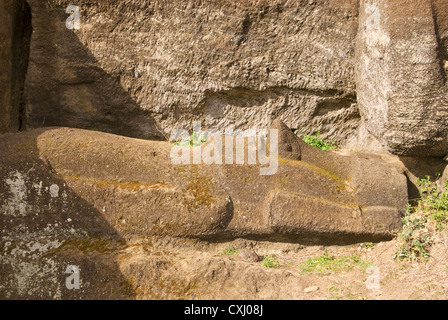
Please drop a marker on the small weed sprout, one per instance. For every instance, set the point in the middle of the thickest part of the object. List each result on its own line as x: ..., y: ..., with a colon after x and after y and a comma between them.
x: 327, y: 264
x: 229, y: 252
x: 318, y: 142
x: 196, y: 140
x: 415, y: 246
x: 271, y: 262
x: 433, y: 203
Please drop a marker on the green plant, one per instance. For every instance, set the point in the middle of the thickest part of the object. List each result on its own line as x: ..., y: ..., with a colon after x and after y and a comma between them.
x: 415, y: 243
x: 431, y: 208
x: 318, y: 142
x: 368, y: 245
x: 433, y: 202
x: 327, y: 264
x: 196, y: 140
x: 229, y: 252
x: 270, y: 261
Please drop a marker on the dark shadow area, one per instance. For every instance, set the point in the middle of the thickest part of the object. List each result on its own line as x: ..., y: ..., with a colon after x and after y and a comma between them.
x: 413, y: 190
x: 66, y: 85
x: 46, y: 227
x: 422, y: 167
x: 305, y: 240
x: 21, y: 38
x: 419, y: 168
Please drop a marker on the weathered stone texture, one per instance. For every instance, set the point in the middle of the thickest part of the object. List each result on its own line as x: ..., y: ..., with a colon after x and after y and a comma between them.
x: 401, y: 75
x: 142, y: 68
x: 134, y: 190
x: 15, y: 32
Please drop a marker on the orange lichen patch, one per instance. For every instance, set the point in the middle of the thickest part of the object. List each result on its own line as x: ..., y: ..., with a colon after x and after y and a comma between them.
x: 350, y: 205
x: 201, y: 188
x: 94, y: 244
x: 340, y: 182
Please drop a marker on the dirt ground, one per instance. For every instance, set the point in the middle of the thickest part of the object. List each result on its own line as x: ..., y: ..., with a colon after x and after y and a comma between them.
x: 192, y: 270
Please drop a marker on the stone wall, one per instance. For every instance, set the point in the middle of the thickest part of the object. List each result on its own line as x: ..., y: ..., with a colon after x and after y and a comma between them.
x: 15, y: 34
x: 142, y: 68
x: 401, y: 75
x: 366, y: 79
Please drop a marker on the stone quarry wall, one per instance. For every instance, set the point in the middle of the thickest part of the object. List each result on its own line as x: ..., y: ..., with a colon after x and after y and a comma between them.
x: 401, y: 75
x: 141, y: 68
x: 15, y: 35
x: 370, y: 74
x: 365, y: 73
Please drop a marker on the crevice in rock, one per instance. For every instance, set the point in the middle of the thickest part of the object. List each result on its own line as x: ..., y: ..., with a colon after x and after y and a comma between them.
x: 413, y: 191
x: 330, y: 105
x: 442, y: 54
x: 20, y: 53
x: 306, y: 240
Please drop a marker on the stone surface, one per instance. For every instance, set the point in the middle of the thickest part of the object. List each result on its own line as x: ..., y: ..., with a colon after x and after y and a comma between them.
x: 139, y: 69
x: 65, y: 202
x: 133, y: 189
x: 142, y: 69
x: 311, y: 289
x: 442, y: 182
x: 289, y: 146
x: 15, y: 33
x: 400, y: 75
x: 250, y: 255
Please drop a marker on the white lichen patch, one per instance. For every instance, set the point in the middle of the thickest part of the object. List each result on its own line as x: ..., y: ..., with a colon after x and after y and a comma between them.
x: 31, y: 269
x: 29, y: 277
x: 24, y: 193
x: 38, y: 188
x: 40, y: 248
x: 54, y: 191
x: 16, y: 205
x: 33, y: 249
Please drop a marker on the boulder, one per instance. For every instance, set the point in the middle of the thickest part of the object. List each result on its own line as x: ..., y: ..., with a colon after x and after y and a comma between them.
x: 115, y: 185
x: 402, y: 95
x: 71, y: 200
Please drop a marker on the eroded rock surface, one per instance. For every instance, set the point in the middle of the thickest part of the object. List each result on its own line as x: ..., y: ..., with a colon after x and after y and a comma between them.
x: 15, y: 33
x: 62, y: 196
x: 370, y: 74
x: 143, y: 69
x: 136, y: 189
x: 402, y: 53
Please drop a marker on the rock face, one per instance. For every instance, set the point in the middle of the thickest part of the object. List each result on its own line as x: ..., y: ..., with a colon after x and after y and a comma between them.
x: 135, y: 190
x: 402, y: 53
x: 15, y: 33
x: 142, y: 69
x: 365, y: 73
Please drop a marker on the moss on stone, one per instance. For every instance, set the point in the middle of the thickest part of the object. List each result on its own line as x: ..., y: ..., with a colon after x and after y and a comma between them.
x: 201, y: 188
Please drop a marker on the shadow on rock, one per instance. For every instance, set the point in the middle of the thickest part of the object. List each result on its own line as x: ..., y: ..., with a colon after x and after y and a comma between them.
x: 46, y: 227
x: 66, y: 85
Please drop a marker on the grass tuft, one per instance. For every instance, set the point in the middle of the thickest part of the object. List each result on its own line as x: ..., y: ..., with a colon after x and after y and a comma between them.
x: 430, y: 213
x: 328, y: 264
x: 318, y: 142
x: 271, y: 262
x: 229, y: 252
